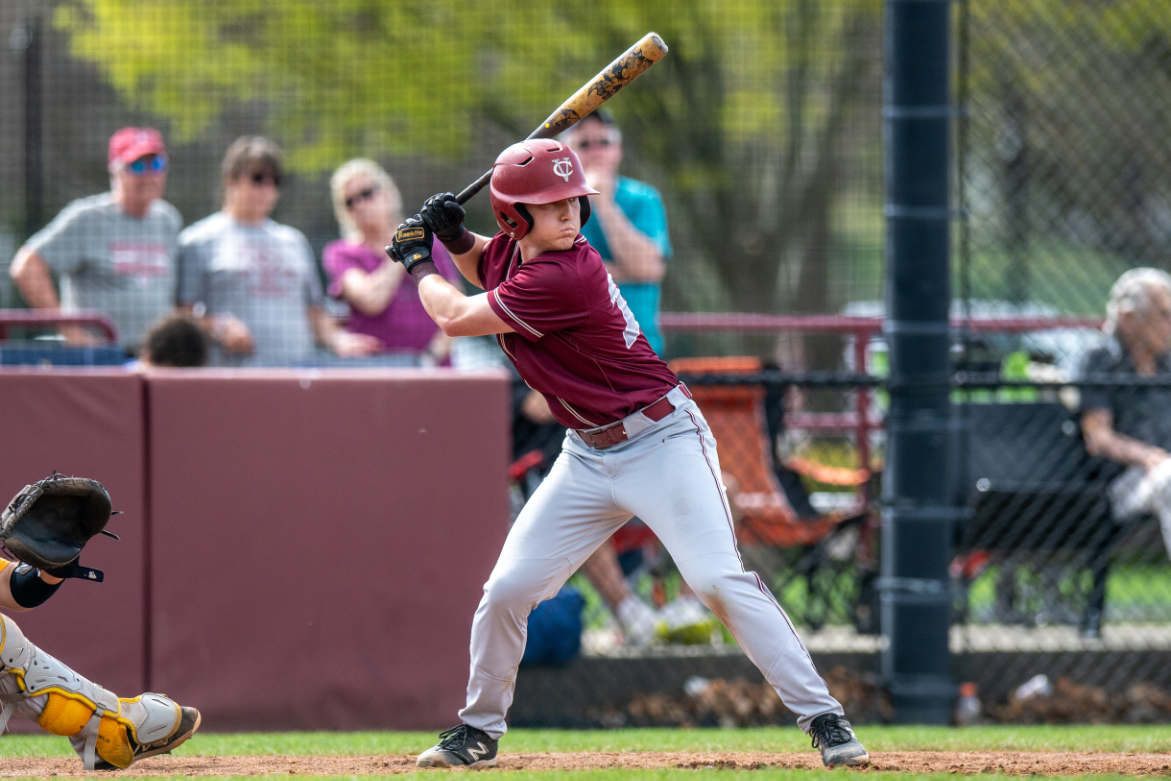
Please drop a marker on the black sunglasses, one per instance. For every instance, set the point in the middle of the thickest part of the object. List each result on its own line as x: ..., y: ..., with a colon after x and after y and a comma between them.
x: 262, y: 177
x: 586, y: 143
x: 361, y: 195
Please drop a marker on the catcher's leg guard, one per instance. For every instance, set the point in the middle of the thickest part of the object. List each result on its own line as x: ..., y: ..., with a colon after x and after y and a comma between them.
x: 97, y: 723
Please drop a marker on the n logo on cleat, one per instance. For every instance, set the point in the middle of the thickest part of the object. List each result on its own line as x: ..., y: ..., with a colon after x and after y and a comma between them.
x: 478, y: 752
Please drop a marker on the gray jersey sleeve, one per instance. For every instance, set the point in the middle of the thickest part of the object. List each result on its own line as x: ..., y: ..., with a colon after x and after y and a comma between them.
x: 191, y: 259
x: 61, y: 243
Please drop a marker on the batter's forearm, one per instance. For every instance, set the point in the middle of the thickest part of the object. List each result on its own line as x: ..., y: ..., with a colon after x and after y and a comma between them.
x: 441, y: 300
x: 468, y: 262
x: 457, y: 314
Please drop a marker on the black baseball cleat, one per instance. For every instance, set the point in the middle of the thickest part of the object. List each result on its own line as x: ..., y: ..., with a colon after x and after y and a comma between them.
x: 460, y: 746
x: 835, y: 737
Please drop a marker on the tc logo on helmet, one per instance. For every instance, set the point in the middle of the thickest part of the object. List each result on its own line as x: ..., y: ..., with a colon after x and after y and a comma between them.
x: 563, y: 167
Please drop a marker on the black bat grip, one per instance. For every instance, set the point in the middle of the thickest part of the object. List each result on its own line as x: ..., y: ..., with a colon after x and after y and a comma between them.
x: 466, y: 193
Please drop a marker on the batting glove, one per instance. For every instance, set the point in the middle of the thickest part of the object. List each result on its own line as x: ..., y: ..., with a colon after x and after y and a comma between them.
x: 443, y: 214
x: 411, y: 244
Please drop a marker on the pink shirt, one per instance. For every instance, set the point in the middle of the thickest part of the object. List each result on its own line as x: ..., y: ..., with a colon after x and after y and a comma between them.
x: 576, y: 341
x: 404, y: 325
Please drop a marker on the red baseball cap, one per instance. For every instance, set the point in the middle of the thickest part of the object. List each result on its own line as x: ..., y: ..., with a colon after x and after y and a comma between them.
x: 131, y: 143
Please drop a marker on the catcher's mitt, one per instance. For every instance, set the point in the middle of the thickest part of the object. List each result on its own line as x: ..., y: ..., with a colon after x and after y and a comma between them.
x: 49, y: 522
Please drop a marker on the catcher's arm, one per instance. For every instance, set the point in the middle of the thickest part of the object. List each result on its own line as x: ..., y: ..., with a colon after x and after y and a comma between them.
x: 23, y: 586
x: 46, y: 526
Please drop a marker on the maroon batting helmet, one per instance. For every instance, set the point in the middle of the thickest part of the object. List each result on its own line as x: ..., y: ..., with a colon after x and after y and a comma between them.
x: 539, y: 170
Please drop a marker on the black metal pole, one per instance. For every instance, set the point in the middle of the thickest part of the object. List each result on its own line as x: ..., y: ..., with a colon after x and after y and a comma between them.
x: 918, y: 511
x: 34, y: 159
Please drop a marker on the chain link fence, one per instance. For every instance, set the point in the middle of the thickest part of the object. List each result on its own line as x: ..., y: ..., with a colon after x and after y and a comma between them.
x: 1057, y: 155
x: 762, y: 130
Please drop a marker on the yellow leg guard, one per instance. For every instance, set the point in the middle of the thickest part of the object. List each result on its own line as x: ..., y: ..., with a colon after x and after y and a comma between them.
x: 64, y: 716
x: 68, y: 717
x: 114, y: 743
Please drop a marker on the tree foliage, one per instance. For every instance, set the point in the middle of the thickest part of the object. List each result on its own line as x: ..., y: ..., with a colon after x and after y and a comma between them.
x: 741, y: 125
x: 1067, y: 144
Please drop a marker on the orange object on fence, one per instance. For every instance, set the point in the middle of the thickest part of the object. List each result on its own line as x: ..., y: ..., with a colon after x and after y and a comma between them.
x: 736, y: 416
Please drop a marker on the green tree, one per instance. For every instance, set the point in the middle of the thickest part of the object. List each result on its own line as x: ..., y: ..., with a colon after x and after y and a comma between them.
x: 742, y: 125
x: 1067, y: 128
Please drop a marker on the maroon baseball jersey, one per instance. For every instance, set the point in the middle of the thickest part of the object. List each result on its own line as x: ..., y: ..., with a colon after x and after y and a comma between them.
x: 576, y: 341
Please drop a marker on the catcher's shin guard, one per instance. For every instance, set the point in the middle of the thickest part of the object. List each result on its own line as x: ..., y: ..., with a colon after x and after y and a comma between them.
x: 102, y: 728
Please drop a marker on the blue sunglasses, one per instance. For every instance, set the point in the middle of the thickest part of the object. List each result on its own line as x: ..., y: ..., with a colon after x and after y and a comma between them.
x: 147, y: 165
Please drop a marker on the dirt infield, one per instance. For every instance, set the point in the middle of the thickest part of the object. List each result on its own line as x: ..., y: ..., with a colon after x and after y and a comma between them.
x: 963, y: 763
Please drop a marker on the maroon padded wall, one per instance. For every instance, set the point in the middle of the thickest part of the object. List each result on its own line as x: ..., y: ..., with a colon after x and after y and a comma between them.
x: 320, y: 540
x: 85, y: 422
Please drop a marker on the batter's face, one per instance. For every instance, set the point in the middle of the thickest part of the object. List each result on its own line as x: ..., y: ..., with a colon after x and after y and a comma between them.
x: 555, y: 227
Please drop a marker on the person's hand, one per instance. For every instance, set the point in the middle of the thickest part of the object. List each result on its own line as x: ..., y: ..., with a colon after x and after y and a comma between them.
x: 232, y: 334
x: 604, y: 182
x: 412, y: 243
x: 1153, y: 457
x: 351, y: 345
x: 77, y: 336
x: 443, y: 214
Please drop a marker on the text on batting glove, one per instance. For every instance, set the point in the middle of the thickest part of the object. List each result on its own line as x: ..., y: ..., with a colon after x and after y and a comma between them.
x: 411, y: 244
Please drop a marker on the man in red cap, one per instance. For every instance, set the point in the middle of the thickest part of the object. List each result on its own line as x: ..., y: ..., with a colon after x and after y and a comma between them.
x: 114, y: 253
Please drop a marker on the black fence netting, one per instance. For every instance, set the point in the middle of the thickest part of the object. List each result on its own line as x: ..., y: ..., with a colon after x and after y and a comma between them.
x: 1060, y: 572
x: 771, y: 204
x: 756, y: 145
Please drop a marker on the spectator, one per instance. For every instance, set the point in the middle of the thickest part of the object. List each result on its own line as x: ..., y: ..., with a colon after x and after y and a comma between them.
x: 114, y: 252
x: 1131, y: 425
x: 629, y: 225
x: 252, y: 282
x: 176, y: 340
x: 383, y: 301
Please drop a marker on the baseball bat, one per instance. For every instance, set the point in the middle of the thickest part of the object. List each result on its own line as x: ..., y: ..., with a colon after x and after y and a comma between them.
x: 625, y: 68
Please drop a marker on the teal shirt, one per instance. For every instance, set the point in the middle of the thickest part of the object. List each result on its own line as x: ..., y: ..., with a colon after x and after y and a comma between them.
x: 643, y: 206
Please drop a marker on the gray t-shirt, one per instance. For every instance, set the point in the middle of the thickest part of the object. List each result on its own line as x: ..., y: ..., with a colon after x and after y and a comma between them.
x: 264, y: 274
x: 110, y: 262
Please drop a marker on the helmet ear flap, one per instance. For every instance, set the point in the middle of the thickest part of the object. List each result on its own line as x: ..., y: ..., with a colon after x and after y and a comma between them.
x: 523, y: 211
x: 514, y: 228
x: 584, y: 200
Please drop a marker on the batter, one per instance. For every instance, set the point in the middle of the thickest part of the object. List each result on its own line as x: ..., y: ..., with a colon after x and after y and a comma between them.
x: 637, y: 444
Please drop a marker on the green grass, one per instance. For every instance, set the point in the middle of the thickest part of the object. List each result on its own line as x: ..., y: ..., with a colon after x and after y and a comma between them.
x: 780, y: 739
x: 1136, y: 591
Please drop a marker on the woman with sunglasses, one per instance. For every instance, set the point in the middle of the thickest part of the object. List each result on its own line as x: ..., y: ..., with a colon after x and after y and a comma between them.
x: 383, y: 300
x: 113, y: 252
x: 252, y: 281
